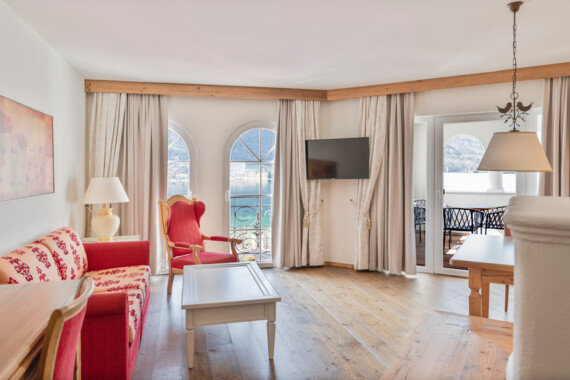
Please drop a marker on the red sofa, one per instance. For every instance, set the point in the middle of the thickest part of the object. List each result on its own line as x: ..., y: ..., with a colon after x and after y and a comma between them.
x: 116, y: 311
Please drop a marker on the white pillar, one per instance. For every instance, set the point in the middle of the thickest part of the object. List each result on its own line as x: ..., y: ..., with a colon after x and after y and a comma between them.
x: 541, y: 229
x: 495, y: 182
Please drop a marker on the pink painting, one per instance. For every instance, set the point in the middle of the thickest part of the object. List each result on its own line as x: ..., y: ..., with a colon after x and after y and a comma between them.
x: 26, y: 151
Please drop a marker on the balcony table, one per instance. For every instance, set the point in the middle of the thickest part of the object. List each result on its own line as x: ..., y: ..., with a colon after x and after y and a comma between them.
x: 25, y: 312
x: 490, y: 259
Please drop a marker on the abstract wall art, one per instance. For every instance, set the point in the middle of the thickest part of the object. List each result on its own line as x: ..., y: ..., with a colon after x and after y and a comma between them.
x: 26, y: 151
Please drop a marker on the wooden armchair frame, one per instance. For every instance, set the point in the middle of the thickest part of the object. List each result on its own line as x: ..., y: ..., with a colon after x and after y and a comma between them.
x: 164, y: 211
x: 54, y: 329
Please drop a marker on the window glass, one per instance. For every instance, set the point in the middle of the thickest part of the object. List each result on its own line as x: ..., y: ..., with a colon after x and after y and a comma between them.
x: 178, y: 165
x: 251, y: 191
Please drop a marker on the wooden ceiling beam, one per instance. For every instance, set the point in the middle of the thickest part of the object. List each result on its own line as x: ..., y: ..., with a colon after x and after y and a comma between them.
x: 202, y: 90
x: 503, y: 76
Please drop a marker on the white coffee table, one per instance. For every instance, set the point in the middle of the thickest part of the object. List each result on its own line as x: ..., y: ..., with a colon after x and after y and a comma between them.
x: 225, y: 293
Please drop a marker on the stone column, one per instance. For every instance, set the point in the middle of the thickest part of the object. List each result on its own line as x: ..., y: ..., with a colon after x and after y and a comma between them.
x: 495, y: 182
x: 541, y: 229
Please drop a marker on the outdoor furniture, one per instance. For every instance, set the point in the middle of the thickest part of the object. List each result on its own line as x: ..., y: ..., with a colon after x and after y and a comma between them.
x: 419, y: 215
x: 461, y: 219
x: 494, y: 218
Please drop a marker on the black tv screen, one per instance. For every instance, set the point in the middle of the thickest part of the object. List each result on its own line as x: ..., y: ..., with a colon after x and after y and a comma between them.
x: 337, y: 158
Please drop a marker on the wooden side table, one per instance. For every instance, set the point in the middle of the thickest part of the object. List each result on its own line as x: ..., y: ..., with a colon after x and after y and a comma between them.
x: 491, y: 259
x: 94, y: 239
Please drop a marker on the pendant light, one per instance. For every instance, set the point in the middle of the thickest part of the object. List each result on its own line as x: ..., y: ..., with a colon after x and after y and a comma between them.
x: 515, y: 150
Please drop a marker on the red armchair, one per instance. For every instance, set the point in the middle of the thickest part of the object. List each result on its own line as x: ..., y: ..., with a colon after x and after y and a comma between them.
x: 184, y: 241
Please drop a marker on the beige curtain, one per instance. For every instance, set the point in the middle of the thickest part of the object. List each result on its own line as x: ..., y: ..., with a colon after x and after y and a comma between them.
x: 384, y: 204
x: 373, y: 124
x: 105, y: 132
x: 556, y: 137
x: 143, y: 171
x: 392, y: 243
x: 297, y: 229
x: 106, y: 122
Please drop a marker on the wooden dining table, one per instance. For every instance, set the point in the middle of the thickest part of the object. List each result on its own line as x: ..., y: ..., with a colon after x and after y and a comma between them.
x: 24, y: 314
x: 490, y: 259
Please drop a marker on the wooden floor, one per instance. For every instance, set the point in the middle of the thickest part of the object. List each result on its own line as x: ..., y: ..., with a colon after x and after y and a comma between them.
x: 332, y: 323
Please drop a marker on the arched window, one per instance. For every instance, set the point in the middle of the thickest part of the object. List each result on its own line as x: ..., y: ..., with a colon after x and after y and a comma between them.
x: 251, y: 173
x: 181, y: 162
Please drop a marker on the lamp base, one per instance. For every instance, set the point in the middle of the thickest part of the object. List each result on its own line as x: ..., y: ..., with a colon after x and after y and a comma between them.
x: 105, y: 225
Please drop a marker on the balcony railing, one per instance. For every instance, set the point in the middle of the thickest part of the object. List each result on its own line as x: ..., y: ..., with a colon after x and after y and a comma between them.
x: 250, y: 220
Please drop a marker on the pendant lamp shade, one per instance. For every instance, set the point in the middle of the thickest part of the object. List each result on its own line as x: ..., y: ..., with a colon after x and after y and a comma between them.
x: 515, y: 151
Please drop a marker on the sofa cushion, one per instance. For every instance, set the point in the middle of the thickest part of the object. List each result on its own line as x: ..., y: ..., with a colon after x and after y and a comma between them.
x: 30, y: 263
x: 68, y: 252
x: 134, y: 280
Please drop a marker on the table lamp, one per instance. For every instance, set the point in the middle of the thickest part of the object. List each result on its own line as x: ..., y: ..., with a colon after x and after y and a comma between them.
x: 105, y: 191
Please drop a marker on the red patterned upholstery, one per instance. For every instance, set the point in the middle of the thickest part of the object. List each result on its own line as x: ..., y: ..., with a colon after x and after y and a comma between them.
x: 135, y: 281
x: 30, y: 263
x: 116, y: 312
x: 68, y: 252
x: 184, y: 224
x: 205, y: 258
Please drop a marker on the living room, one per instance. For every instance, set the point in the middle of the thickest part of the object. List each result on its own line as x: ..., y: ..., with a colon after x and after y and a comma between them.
x: 53, y: 55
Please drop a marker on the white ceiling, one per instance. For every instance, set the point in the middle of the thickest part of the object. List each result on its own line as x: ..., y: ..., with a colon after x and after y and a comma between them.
x: 322, y: 44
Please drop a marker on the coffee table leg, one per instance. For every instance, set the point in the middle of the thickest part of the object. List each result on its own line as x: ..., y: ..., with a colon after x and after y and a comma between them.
x: 190, y: 337
x: 271, y: 329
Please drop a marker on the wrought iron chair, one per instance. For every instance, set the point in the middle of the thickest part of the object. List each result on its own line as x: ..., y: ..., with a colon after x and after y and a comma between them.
x: 180, y: 225
x: 419, y: 215
x: 461, y: 219
x: 494, y: 218
x: 60, y: 355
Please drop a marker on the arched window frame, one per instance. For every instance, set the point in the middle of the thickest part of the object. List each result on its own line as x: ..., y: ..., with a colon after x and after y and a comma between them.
x: 227, y: 152
x: 192, y: 156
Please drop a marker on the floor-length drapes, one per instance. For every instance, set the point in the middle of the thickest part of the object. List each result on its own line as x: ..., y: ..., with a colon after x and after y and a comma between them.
x: 106, y: 121
x: 143, y: 171
x: 556, y: 137
x: 128, y: 137
x: 384, y: 204
x: 297, y: 229
x: 392, y: 243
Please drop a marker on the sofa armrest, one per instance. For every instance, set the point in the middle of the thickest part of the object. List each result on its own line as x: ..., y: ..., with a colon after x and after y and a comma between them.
x: 117, y: 254
x: 107, y: 303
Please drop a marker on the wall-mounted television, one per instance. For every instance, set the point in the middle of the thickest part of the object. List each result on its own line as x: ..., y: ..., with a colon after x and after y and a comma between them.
x: 337, y: 158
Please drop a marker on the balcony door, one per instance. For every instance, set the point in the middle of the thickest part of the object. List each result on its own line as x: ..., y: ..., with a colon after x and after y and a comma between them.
x: 451, y: 198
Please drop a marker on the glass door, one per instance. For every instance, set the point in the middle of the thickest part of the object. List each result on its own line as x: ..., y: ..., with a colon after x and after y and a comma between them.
x: 459, y: 200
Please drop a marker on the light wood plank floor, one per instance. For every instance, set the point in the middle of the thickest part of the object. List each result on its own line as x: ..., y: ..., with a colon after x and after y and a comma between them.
x: 332, y: 323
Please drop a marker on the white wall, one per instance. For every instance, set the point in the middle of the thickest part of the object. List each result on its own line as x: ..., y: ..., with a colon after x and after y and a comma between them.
x: 210, y: 123
x: 341, y: 118
x: 33, y: 74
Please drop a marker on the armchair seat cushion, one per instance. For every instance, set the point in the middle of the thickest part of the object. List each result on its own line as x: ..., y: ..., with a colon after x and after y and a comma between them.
x: 205, y: 257
x: 30, y: 263
x: 133, y: 280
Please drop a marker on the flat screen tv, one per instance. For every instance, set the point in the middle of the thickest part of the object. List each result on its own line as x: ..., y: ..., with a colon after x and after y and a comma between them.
x: 337, y: 158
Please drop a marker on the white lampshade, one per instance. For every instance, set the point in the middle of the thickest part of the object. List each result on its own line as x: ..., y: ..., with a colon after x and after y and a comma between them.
x: 515, y: 151
x: 105, y: 190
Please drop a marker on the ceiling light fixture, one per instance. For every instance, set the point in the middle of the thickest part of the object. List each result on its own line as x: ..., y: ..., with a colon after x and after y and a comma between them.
x: 515, y: 150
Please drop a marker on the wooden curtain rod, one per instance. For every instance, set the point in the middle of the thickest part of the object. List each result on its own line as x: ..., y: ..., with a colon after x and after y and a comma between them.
x: 503, y: 76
